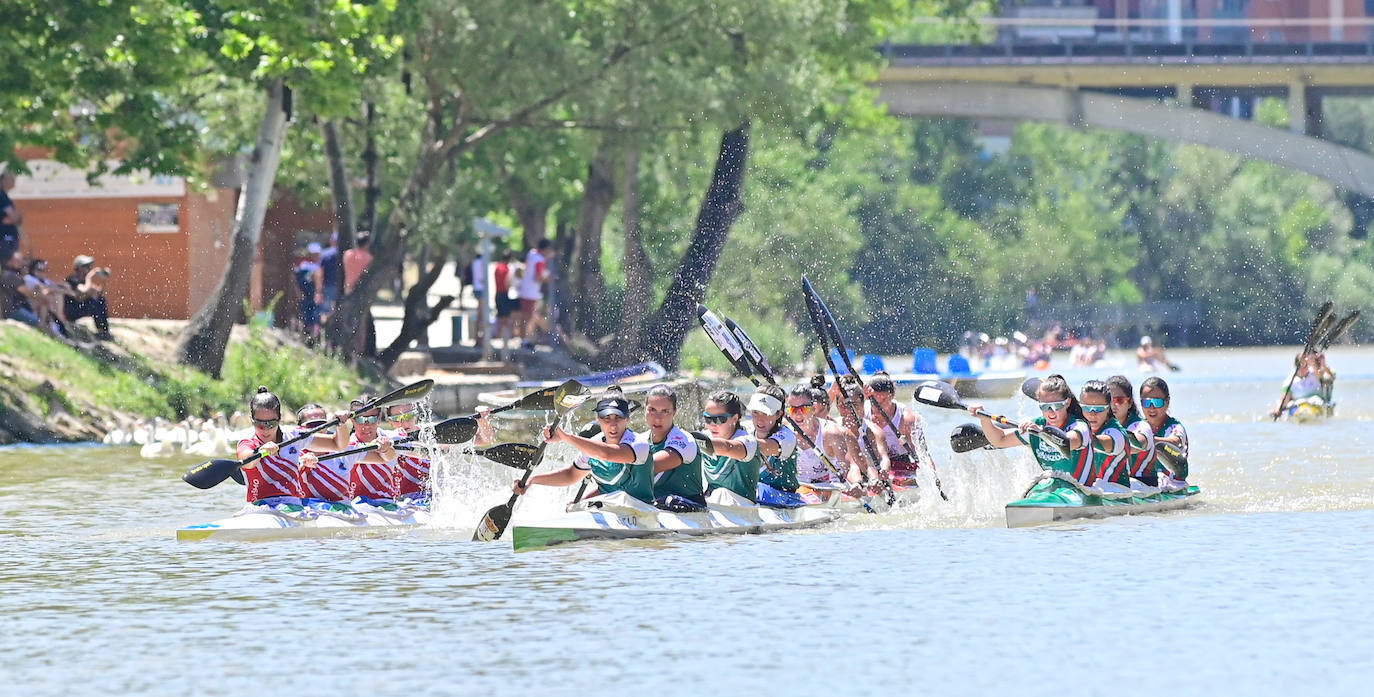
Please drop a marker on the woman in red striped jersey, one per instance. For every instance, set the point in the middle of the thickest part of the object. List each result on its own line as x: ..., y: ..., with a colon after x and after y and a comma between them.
x: 272, y: 479
x: 372, y: 479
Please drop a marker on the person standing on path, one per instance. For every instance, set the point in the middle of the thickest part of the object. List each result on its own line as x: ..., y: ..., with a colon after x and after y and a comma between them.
x: 532, y: 289
x: 10, y: 217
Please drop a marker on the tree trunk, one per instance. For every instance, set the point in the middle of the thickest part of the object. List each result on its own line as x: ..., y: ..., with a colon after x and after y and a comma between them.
x: 719, y: 209
x: 344, y: 221
x: 373, y: 187
x: 206, y: 336
x: 597, y: 197
x: 533, y: 213
x: 418, y: 315
x: 635, y: 307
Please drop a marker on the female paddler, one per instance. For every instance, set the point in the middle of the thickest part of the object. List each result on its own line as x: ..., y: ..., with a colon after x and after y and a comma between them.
x: 372, y: 480
x: 803, y: 406
x: 1154, y: 402
x: 1108, y: 440
x: 271, y: 479
x: 324, y: 484
x: 778, y: 447
x: 329, y: 484
x: 678, y: 484
x: 864, y: 446
x: 1062, y: 417
x: 733, y: 461
x: 412, y: 466
x: 901, y: 463
x: 1140, y: 439
x: 617, y: 459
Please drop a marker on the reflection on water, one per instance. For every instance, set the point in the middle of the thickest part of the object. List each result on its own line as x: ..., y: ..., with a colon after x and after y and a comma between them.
x: 1255, y: 591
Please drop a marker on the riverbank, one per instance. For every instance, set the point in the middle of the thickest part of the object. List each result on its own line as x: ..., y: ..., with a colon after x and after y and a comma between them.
x: 53, y: 392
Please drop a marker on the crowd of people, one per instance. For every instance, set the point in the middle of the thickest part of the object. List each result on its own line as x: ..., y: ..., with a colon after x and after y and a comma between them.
x: 29, y: 295
x: 518, y: 294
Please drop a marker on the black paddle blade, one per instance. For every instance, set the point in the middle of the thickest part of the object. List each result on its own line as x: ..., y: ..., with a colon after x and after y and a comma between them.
x: 208, y: 474
x: 938, y: 394
x: 237, y: 475
x: 725, y: 341
x: 493, y: 523
x: 1339, y: 330
x: 546, y: 399
x: 968, y: 437
x: 459, y: 429
x: 516, y: 455
x: 756, y: 359
x: 704, y: 442
x: 413, y: 392
x: 1030, y: 387
x: 825, y: 321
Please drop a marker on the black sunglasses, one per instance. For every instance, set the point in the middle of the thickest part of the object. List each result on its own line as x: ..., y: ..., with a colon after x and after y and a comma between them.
x: 267, y: 423
x: 715, y: 418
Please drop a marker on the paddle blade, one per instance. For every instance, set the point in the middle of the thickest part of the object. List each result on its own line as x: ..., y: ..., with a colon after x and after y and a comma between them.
x: 493, y: 523
x: 938, y: 394
x: 825, y: 322
x: 208, y: 474
x: 516, y: 455
x: 725, y: 341
x: 413, y: 392
x: 756, y: 359
x: 704, y: 443
x: 1030, y: 387
x: 968, y: 437
x: 459, y: 429
x: 237, y: 475
x: 1339, y: 330
x: 546, y: 399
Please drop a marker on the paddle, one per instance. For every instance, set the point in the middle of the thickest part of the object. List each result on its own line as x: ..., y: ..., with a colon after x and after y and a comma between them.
x: 213, y: 472
x: 1173, y: 459
x: 493, y: 524
x: 1338, y: 330
x: 1031, y: 388
x: 1319, y: 326
x: 943, y: 395
x: 818, y: 310
x: 461, y: 429
x: 321, y: 457
x: 516, y: 455
x: 744, y: 354
x: 967, y: 438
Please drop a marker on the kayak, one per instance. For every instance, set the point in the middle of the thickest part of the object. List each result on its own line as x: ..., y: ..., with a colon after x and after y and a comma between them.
x: 294, y: 521
x: 619, y: 516
x: 1310, y: 409
x: 834, y: 495
x: 1056, y: 497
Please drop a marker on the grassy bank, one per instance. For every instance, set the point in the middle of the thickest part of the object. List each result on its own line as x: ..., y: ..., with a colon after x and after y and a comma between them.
x: 63, y: 388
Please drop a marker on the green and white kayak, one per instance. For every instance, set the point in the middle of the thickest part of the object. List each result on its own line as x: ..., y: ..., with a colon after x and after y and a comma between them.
x: 619, y: 516
x: 1055, y: 497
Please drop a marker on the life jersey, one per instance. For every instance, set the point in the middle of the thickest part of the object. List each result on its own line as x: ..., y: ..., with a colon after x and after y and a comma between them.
x: 1140, y: 463
x: 684, y: 480
x: 1109, y: 465
x: 739, y: 476
x: 276, y: 475
x: 810, y: 466
x: 1079, y: 463
x: 780, y: 471
x: 634, y: 478
x: 374, y: 480
x: 412, y: 473
x: 329, y: 480
x: 895, y: 447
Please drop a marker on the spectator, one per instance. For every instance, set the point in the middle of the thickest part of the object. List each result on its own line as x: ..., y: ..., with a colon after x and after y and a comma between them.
x: 87, y: 298
x: 355, y: 261
x: 505, y: 304
x: 49, y: 296
x: 476, y: 277
x: 16, y: 298
x: 307, y: 280
x: 532, y: 289
x: 10, y: 217
x: 331, y: 278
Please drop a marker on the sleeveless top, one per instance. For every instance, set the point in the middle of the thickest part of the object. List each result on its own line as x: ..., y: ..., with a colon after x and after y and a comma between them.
x: 634, y: 478
x: 785, y: 462
x: 1110, y: 464
x: 895, y: 447
x: 276, y: 475
x: 810, y: 467
x: 1173, y: 428
x: 1079, y: 463
x: 739, y: 476
x: 1307, y: 386
x: 1140, y: 462
x: 684, y: 480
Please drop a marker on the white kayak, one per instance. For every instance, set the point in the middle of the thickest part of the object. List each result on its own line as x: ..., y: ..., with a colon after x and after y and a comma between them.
x: 619, y: 516
x: 292, y: 521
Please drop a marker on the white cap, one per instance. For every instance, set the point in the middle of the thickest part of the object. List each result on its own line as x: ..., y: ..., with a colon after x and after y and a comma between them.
x: 764, y: 404
x: 314, y: 248
x: 1144, y: 340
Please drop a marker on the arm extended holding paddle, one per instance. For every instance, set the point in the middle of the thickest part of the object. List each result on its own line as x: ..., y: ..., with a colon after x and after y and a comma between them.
x: 382, y: 446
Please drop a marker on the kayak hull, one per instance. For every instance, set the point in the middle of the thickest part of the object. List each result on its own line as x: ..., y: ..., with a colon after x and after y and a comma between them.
x: 1055, y: 499
x: 620, y: 517
x: 254, y: 524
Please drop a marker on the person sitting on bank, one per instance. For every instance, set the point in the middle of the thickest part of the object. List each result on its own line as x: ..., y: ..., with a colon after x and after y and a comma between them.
x: 50, y: 296
x: 17, y: 299
x: 87, y: 298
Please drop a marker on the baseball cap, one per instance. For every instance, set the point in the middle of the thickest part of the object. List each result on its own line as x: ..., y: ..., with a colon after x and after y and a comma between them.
x: 613, y: 406
x: 83, y: 260
x: 1144, y: 340
x: 314, y: 248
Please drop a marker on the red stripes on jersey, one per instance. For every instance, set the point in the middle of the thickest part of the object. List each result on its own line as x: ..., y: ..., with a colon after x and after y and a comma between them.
x: 412, y: 475
x: 374, y: 480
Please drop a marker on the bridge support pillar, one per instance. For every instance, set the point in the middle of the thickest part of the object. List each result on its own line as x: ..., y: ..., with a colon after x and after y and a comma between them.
x: 1304, y: 110
x: 1183, y: 92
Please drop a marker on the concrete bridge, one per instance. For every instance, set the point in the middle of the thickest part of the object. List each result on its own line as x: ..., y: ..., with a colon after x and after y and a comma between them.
x: 1124, y: 85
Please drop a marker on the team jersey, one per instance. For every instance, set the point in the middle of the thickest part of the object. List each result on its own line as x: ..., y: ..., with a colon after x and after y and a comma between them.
x: 739, y: 476
x: 373, y: 480
x: 895, y: 447
x: 1172, y: 428
x: 1078, y: 464
x: 1110, y: 463
x: 1306, y: 386
x: 634, y: 478
x: 1140, y: 462
x: 685, y: 480
x: 412, y: 473
x: 780, y: 471
x: 810, y: 466
x: 329, y: 480
x: 276, y: 475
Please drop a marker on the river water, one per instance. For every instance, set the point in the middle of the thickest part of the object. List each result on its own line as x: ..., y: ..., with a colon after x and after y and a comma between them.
x: 1259, y: 590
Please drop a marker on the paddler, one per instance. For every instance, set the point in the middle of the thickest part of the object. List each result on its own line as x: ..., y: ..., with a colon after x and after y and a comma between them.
x: 1140, y: 439
x: 864, y: 446
x: 777, y: 447
x: 272, y: 479
x: 1061, y: 417
x: 1313, y: 382
x: 372, y: 480
x: 734, y: 462
x: 617, y: 458
x: 412, y: 466
x: 324, y: 485
x: 1154, y: 403
x: 901, y: 463
x: 802, y: 407
x: 678, y: 483
x: 1108, y: 440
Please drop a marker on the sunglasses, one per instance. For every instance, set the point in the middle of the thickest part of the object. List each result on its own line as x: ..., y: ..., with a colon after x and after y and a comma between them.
x: 315, y: 423
x: 1152, y: 402
x: 1120, y: 400
x: 1093, y: 408
x: 715, y: 418
x: 368, y: 419
x: 1054, y: 406
x: 798, y: 408
x: 267, y: 423
x: 403, y: 416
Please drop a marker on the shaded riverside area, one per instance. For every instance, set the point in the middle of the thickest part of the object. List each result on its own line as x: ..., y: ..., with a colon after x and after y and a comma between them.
x: 494, y: 202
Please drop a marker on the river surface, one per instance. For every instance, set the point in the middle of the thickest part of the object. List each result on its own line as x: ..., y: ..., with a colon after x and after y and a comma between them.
x: 1260, y: 590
